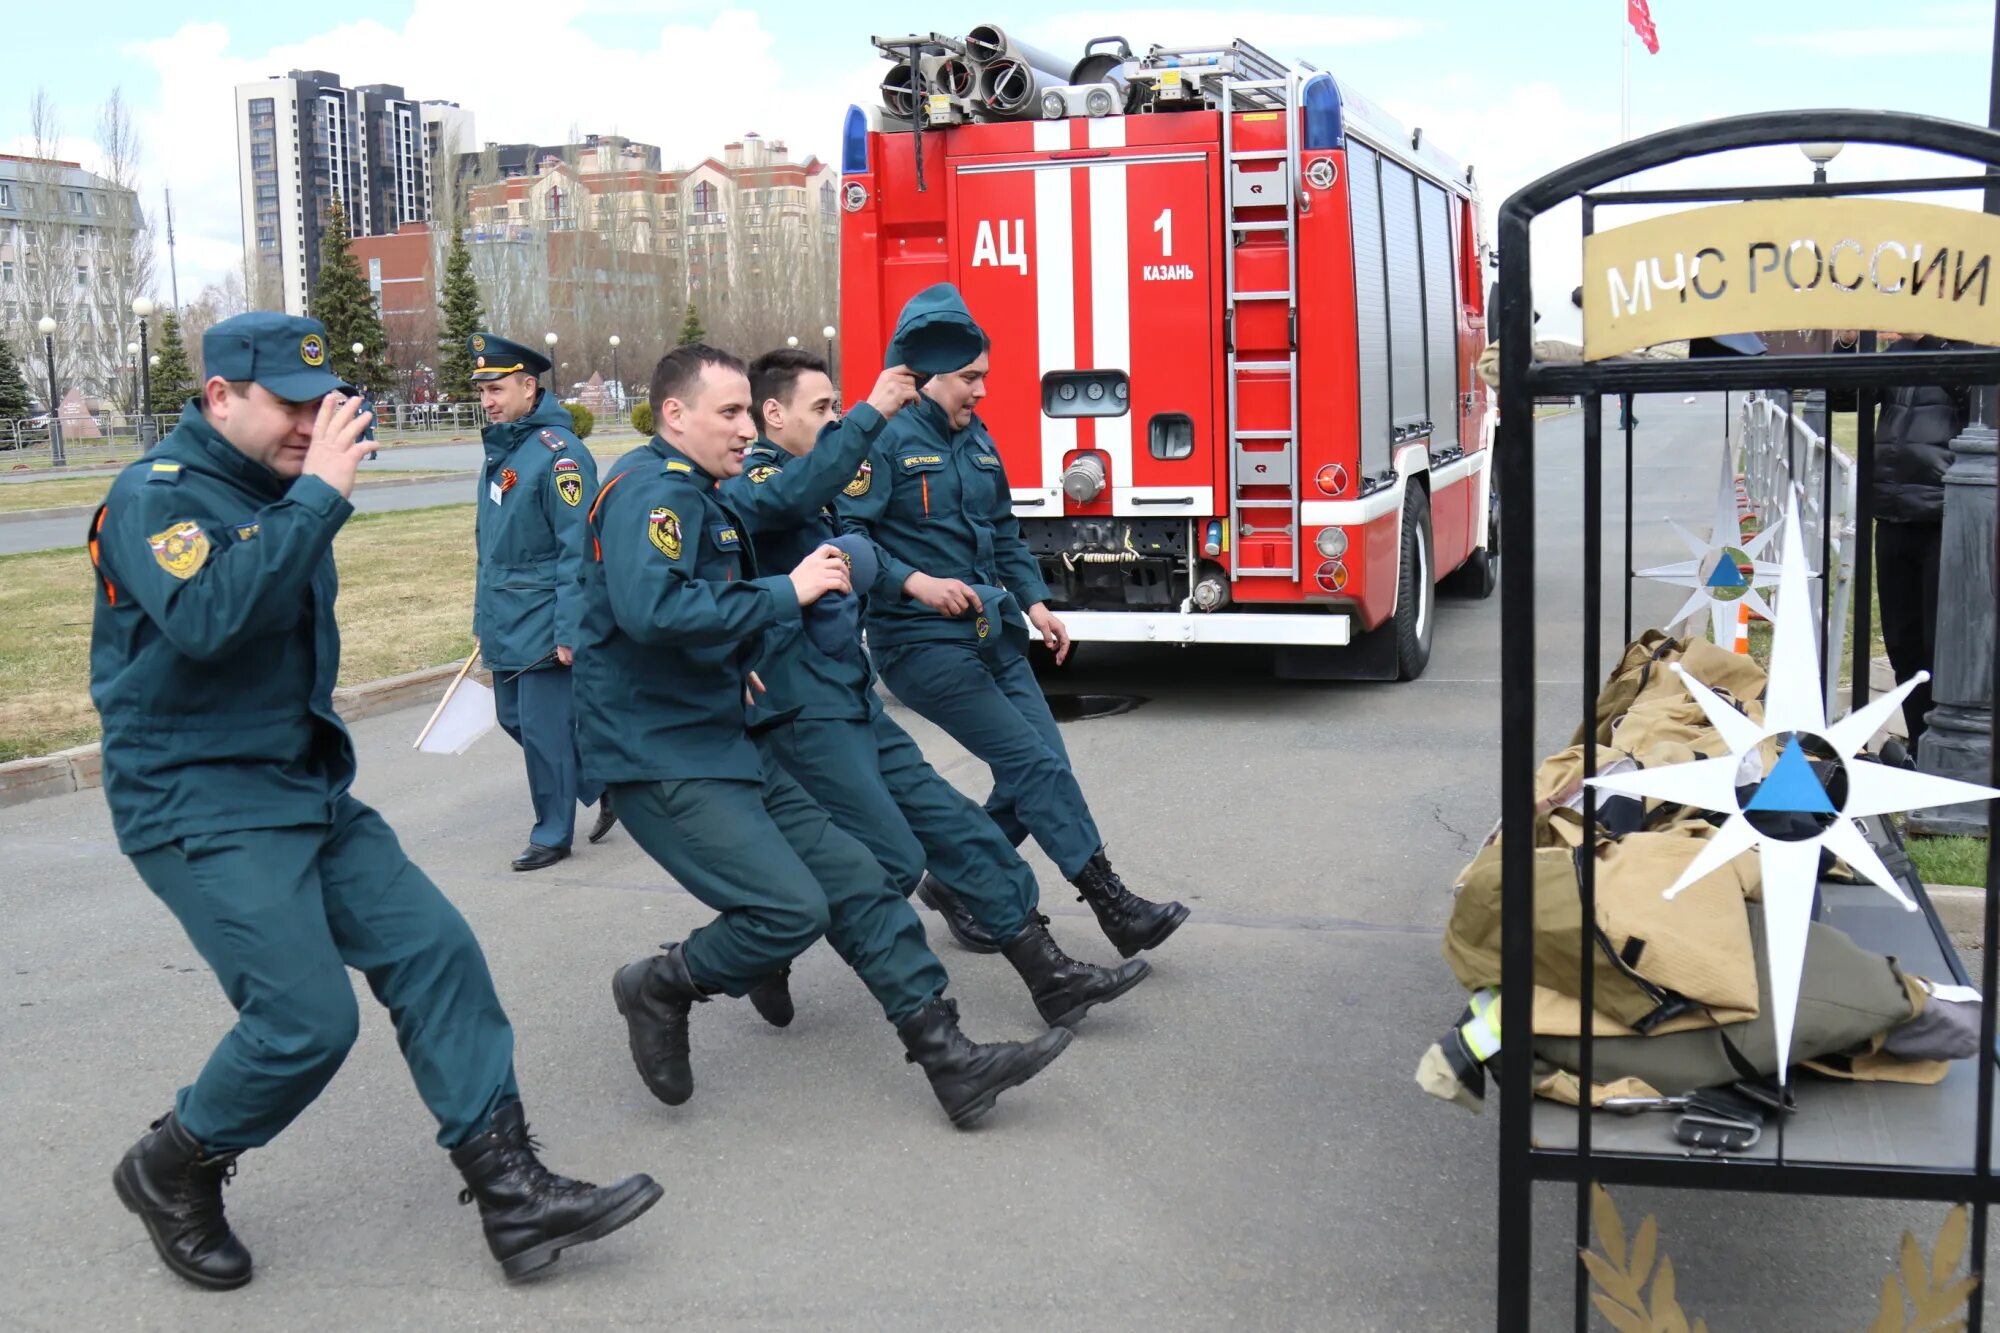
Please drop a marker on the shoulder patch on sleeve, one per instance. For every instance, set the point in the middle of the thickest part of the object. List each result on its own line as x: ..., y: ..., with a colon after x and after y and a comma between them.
x: 663, y: 529
x: 569, y: 482
x: 762, y: 473
x: 857, y: 488
x: 181, y: 550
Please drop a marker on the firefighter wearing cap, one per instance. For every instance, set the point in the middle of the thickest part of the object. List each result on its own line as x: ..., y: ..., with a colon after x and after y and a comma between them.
x: 944, y: 613
x: 676, y: 612
x: 212, y: 662
x: 822, y: 720
x: 534, y: 497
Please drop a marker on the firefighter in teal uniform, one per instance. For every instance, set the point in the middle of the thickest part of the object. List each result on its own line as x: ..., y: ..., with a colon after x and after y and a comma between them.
x: 821, y: 716
x: 213, y: 659
x: 675, y: 612
x: 535, y: 492
x: 944, y: 612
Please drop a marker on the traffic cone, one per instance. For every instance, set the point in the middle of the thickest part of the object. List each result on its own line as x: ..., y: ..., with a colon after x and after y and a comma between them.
x: 1742, y: 644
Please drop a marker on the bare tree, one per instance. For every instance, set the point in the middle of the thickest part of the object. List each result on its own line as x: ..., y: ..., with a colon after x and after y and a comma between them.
x: 215, y: 303
x: 47, y: 248
x: 119, y: 245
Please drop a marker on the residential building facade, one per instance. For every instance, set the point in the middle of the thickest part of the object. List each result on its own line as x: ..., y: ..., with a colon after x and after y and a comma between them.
x: 306, y: 142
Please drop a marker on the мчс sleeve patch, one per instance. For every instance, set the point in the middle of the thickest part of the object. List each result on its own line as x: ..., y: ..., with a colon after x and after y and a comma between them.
x: 181, y: 550
x: 663, y: 529
x: 569, y: 481
x: 857, y: 488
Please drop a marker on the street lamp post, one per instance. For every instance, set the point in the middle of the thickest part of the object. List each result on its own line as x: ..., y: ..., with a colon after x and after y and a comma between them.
x: 615, y: 377
x: 47, y: 328
x: 792, y: 341
x: 1814, y: 411
x: 549, y: 338
x: 827, y: 333
x: 143, y: 308
x: 1819, y: 154
x: 132, y: 360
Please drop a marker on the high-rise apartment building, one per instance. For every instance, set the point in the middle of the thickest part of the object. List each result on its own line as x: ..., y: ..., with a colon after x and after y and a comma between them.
x: 306, y: 142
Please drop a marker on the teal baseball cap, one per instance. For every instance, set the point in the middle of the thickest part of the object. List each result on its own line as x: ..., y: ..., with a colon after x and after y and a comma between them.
x: 287, y: 354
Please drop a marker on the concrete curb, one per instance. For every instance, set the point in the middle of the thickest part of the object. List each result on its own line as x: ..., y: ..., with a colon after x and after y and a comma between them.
x: 82, y: 768
x: 1962, y: 908
x: 386, y: 483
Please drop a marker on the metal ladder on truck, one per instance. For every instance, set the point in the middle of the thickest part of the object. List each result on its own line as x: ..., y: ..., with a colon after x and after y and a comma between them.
x: 1263, y: 460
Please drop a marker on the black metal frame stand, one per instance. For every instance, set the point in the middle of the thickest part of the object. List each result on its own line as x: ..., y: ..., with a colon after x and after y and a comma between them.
x: 1522, y: 380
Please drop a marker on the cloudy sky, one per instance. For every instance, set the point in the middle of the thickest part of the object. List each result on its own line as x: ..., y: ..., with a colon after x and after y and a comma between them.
x: 1513, y: 88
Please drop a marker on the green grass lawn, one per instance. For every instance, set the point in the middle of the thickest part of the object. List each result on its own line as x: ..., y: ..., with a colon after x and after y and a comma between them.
x: 1948, y: 860
x: 58, y: 492
x: 405, y: 603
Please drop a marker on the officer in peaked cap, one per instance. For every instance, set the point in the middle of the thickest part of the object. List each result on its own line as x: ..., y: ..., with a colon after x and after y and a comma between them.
x: 227, y: 772
x: 534, y: 500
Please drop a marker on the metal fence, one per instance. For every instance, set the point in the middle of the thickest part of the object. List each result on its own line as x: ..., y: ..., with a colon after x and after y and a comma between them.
x: 1777, y: 451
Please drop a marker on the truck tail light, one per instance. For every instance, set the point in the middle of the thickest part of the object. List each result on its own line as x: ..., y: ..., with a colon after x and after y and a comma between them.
x: 1331, y: 479
x: 1332, y: 542
x: 1331, y: 576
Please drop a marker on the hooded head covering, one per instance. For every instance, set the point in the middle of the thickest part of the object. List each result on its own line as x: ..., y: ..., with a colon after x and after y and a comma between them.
x: 935, y: 334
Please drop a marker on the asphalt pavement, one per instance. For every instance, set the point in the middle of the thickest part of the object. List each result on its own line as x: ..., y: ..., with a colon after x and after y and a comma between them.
x: 1238, y: 1142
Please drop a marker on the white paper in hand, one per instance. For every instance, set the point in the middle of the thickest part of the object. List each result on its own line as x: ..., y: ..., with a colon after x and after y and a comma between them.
x: 466, y: 716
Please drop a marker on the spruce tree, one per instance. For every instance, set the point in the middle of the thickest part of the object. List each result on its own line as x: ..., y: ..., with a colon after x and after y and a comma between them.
x: 342, y: 302
x: 173, y: 381
x: 462, y: 318
x: 13, y: 388
x: 691, y: 329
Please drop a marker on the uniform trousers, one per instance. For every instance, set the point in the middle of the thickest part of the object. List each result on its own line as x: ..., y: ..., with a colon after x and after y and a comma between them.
x: 280, y: 914
x: 987, y: 699
x: 537, y: 710
x: 873, y: 779
x: 780, y: 875
x: 1906, y: 579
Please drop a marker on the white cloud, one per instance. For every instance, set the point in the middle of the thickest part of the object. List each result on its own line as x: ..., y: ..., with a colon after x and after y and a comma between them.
x: 689, y: 84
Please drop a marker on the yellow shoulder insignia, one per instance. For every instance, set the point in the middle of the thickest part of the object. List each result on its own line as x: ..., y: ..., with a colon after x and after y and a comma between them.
x: 164, y: 473
x: 675, y: 465
x: 181, y: 550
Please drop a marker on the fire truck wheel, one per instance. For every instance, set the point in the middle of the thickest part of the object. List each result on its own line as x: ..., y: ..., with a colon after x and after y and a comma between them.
x: 1416, y: 593
x: 1480, y: 574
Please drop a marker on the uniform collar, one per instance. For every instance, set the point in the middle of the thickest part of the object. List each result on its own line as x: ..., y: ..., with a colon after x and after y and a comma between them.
x: 207, y: 445
x: 672, y: 455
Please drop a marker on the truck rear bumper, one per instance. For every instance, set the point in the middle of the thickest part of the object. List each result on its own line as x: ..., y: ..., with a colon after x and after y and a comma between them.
x: 1322, y: 629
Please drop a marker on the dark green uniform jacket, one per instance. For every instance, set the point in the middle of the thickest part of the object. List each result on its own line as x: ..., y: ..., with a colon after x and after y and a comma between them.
x: 213, y: 649
x: 534, y: 540
x: 936, y: 500
x: 786, y: 507
x: 674, y: 615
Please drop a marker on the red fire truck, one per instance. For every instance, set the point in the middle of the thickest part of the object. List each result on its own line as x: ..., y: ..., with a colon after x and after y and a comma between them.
x: 1235, y: 312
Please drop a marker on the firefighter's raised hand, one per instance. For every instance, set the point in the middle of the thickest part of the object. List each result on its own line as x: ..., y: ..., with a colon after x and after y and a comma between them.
x: 820, y: 573
x: 947, y: 597
x: 895, y: 390
x: 1054, y: 633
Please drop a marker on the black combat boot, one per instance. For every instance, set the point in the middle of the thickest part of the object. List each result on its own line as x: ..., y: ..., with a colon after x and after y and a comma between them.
x: 175, y: 1186
x: 654, y: 996
x: 1129, y: 921
x: 531, y: 1215
x: 1065, y: 989
x: 772, y: 998
x: 932, y: 893
x: 965, y: 1075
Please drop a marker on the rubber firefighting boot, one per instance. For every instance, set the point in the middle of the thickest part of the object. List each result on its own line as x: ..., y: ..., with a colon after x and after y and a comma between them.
x: 966, y: 1075
x: 531, y: 1215
x: 653, y: 996
x: 932, y: 893
x: 175, y: 1186
x: 1129, y: 921
x: 1065, y: 989
x: 772, y: 998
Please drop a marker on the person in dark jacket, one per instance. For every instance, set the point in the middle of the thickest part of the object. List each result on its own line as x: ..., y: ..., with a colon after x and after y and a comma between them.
x: 1913, y: 438
x: 213, y: 656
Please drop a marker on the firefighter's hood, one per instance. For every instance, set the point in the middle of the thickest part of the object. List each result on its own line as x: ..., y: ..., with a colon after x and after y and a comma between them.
x: 936, y: 334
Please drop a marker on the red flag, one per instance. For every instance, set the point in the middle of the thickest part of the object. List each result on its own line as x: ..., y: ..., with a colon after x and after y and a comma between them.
x: 1642, y: 23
